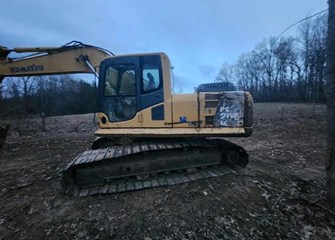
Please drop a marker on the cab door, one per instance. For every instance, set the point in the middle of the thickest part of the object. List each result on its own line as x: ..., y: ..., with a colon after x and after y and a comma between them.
x: 131, y: 91
x: 152, y: 91
x: 118, y: 88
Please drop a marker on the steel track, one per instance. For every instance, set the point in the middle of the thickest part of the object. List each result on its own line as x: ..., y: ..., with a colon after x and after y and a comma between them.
x: 114, y: 169
x: 171, y: 179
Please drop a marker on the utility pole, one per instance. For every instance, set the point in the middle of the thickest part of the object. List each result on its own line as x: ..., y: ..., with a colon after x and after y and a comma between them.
x: 330, y: 94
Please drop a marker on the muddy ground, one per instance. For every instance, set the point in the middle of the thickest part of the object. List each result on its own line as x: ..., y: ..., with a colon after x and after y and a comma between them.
x: 280, y: 195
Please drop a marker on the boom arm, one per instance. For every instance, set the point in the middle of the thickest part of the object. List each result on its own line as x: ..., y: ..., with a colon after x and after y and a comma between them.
x: 74, y: 57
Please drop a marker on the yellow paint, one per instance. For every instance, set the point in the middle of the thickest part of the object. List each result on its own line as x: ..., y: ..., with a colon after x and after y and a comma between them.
x: 156, y: 132
x: 56, y: 63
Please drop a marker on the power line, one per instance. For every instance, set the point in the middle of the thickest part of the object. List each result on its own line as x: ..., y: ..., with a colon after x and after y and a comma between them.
x: 304, y: 19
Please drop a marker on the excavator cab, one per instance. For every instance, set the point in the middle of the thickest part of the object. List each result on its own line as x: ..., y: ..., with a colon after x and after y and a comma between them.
x: 128, y: 85
x: 132, y: 92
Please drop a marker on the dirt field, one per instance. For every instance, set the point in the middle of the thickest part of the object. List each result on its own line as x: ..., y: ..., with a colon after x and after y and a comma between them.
x: 280, y: 195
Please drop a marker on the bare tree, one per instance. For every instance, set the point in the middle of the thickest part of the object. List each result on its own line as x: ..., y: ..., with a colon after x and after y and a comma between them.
x: 330, y: 165
x: 270, y: 70
x: 242, y: 72
x: 286, y: 68
x: 313, y: 40
x: 248, y: 73
x: 21, y: 90
x: 226, y: 73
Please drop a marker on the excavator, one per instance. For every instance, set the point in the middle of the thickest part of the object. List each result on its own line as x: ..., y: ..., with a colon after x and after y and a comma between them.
x: 147, y: 136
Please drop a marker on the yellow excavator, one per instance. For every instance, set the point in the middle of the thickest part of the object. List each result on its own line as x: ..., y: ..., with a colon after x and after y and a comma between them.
x: 147, y: 136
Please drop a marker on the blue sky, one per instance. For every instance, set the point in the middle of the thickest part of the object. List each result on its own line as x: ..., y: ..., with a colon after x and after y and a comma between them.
x: 198, y: 35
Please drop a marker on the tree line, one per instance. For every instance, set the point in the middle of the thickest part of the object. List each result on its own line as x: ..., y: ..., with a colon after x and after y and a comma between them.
x: 288, y: 69
x: 51, y: 95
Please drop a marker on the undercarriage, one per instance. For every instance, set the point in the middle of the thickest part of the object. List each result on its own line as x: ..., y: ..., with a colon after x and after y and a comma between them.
x: 147, y: 163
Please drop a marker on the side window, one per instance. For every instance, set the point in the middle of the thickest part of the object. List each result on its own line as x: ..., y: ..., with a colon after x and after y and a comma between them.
x: 120, y: 80
x: 111, y: 81
x: 128, y: 85
x: 151, y: 77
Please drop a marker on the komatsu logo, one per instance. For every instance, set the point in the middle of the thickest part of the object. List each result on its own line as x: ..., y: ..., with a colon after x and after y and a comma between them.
x: 32, y: 68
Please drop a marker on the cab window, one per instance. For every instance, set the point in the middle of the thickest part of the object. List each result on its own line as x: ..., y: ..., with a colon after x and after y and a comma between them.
x: 120, y: 80
x: 151, y: 79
